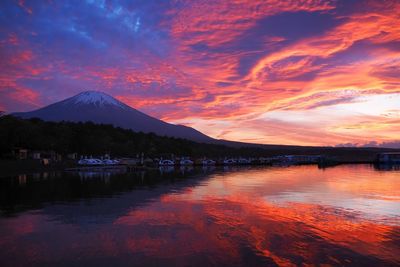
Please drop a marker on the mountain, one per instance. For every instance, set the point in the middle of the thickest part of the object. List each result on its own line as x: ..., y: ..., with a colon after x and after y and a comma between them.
x: 99, y: 107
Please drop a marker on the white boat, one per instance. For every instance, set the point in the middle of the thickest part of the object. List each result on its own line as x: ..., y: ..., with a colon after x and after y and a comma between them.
x: 110, y: 161
x: 166, y: 162
x: 208, y: 162
x: 91, y: 162
x: 186, y: 162
x: 229, y: 161
x: 244, y: 161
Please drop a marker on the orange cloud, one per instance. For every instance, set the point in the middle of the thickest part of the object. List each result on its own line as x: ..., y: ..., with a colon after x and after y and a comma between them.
x: 272, y: 83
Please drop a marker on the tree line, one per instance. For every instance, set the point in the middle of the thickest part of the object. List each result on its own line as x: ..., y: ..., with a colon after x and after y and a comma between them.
x: 87, y: 138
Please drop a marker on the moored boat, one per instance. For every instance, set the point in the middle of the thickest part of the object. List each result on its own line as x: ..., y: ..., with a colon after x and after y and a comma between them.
x: 229, y: 161
x: 90, y: 162
x: 186, y: 162
x: 208, y: 162
x: 166, y: 162
x: 243, y: 161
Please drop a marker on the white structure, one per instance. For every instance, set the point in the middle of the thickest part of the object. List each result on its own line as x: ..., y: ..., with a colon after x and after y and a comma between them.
x: 186, y: 162
x: 166, y: 162
x: 96, y: 162
x: 208, y: 162
x: 110, y: 161
x: 229, y: 161
x: 91, y: 162
x: 243, y: 161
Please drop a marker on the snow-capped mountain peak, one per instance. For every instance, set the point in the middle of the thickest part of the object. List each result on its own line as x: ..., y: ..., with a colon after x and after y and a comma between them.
x: 99, y: 107
x: 97, y: 98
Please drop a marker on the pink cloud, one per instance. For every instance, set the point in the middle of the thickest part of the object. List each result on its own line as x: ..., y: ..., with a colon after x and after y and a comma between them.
x: 210, y: 74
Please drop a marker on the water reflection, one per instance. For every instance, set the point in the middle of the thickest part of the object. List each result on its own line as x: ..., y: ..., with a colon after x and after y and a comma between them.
x: 208, y: 169
x: 387, y: 167
x: 166, y: 169
x: 347, y: 215
x: 22, y: 179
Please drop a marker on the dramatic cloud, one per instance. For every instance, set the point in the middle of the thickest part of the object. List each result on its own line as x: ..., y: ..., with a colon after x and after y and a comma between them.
x: 298, y: 72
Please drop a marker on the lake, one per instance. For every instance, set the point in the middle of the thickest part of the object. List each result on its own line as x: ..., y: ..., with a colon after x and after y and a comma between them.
x: 347, y: 215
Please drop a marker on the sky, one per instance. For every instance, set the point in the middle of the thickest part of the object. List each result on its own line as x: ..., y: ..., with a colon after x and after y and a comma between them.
x: 306, y: 72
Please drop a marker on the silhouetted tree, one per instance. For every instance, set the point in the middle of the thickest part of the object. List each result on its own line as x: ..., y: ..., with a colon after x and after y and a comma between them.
x: 96, y: 139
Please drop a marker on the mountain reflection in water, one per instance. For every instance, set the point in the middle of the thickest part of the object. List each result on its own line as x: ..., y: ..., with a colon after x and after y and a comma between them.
x: 346, y: 215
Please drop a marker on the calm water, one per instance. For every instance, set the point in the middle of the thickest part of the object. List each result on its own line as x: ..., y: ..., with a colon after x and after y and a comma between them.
x: 293, y: 216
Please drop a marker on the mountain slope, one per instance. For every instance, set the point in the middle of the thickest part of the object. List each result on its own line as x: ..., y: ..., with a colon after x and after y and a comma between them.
x: 99, y: 107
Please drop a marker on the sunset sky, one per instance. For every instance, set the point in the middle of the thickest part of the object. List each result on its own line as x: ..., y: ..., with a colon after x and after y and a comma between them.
x: 307, y: 72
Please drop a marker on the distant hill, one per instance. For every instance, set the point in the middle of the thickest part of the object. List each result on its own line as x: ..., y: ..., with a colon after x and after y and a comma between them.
x: 99, y: 107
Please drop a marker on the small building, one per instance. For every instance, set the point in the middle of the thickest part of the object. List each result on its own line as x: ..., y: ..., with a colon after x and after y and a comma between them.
x: 20, y: 153
x: 73, y: 156
x: 58, y: 157
x: 51, y: 155
x: 389, y: 157
x: 36, y: 155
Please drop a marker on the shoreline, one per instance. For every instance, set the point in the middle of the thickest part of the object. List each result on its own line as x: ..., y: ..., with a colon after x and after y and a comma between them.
x: 18, y: 167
